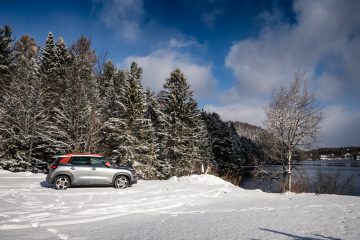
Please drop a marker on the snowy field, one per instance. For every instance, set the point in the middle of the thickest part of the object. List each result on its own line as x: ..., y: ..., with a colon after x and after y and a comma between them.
x: 195, y: 207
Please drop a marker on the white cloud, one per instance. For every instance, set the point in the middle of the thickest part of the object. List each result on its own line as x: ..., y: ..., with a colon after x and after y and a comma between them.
x: 158, y: 65
x: 183, y: 42
x: 322, y: 40
x: 249, y: 112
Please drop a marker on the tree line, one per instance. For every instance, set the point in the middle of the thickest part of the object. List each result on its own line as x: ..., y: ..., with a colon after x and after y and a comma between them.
x: 57, y: 99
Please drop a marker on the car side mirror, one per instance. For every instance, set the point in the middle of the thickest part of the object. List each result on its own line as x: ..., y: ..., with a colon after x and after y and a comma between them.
x: 107, y: 164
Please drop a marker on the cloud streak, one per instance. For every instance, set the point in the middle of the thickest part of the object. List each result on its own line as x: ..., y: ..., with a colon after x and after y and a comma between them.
x: 125, y: 17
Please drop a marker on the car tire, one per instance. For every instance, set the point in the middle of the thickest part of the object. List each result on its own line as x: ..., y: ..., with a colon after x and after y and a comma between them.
x: 62, y: 182
x: 121, y: 182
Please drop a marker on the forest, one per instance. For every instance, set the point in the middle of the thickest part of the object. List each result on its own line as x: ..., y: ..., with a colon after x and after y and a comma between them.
x: 57, y: 99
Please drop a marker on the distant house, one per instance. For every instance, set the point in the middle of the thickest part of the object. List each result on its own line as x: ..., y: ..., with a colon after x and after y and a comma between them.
x: 324, y: 157
x: 348, y: 156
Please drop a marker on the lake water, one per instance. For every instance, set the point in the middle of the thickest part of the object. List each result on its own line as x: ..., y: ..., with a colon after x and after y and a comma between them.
x: 346, y: 173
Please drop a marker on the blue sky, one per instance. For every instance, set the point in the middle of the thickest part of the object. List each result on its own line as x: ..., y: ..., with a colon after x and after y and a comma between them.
x: 233, y: 52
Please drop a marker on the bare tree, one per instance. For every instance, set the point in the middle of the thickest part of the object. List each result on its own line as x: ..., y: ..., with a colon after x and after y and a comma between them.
x: 293, y: 120
x: 26, y: 46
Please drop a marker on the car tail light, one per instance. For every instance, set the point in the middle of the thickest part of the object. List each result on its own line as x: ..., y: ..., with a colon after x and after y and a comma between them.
x: 54, y: 166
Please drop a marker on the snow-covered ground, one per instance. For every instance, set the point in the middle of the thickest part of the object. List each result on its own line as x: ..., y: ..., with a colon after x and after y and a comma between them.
x: 194, y: 207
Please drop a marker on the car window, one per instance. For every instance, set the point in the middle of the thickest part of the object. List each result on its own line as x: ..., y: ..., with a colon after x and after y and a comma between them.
x: 55, y: 160
x: 80, y: 161
x: 98, y: 162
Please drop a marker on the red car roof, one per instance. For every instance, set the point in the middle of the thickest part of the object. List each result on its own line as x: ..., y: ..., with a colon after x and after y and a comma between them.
x: 82, y: 154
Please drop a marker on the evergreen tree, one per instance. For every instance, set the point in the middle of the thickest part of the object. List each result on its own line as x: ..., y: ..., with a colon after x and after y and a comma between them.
x: 157, y: 117
x: 85, y: 112
x: 182, y: 149
x: 219, y: 134
x: 141, y: 151
x: 112, y: 87
x: 22, y: 119
x: 49, y: 78
x: 231, y: 152
x: 75, y: 118
x: 237, y: 150
x: 127, y: 132
x: 56, y: 66
x: 6, y: 58
x: 48, y: 60
x: 63, y: 61
x: 204, y: 145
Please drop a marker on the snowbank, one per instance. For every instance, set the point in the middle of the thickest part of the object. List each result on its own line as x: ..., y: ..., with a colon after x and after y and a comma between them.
x: 5, y: 173
x: 205, y: 179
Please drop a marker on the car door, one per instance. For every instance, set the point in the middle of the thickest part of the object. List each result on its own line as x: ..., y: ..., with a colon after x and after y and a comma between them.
x: 99, y: 173
x: 80, y: 169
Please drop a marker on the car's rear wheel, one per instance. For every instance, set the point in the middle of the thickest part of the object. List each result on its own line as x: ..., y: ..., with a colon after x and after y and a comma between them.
x: 121, y: 182
x: 62, y: 182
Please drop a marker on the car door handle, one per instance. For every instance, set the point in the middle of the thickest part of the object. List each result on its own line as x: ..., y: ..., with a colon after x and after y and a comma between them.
x: 93, y: 168
x: 72, y: 168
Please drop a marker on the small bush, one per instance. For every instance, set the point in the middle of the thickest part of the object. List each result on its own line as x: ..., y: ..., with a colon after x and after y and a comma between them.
x: 324, y: 183
x: 333, y: 183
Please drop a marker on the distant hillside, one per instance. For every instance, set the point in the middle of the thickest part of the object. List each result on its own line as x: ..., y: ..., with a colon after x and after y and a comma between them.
x: 255, y: 133
x: 247, y: 130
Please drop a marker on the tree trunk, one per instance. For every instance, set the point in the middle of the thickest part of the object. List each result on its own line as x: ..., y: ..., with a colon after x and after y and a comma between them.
x: 289, y: 170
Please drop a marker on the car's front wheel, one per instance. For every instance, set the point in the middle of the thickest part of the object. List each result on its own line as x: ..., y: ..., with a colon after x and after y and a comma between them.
x: 62, y: 182
x: 121, y: 182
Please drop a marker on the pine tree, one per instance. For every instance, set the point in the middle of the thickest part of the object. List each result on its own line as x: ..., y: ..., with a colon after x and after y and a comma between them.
x: 231, y: 152
x: 48, y: 60
x: 141, y: 152
x: 204, y: 144
x: 87, y: 119
x: 183, y: 118
x: 6, y: 58
x: 157, y: 117
x: 22, y: 118
x: 127, y: 135
x: 48, y: 74
x: 63, y: 61
x: 75, y: 118
x: 112, y: 87
x: 56, y: 66
x: 222, y: 140
x: 237, y: 150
